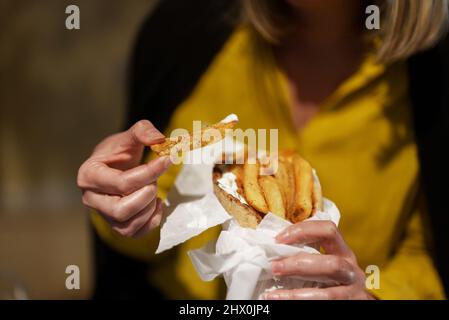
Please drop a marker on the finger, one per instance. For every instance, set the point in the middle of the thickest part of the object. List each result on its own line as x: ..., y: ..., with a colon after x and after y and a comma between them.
x: 97, y: 176
x: 120, y: 209
x: 300, y: 294
x: 141, y: 134
x: 130, y: 227
x: 144, y: 174
x: 324, y: 233
x: 332, y: 293
x: 327, y: 269
x: 153, y: 222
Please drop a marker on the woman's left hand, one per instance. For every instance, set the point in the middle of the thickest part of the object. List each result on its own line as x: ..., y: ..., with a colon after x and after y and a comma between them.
x: 337, y: 269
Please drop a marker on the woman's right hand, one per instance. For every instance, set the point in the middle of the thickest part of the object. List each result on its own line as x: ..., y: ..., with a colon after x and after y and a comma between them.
x: 115, y: 183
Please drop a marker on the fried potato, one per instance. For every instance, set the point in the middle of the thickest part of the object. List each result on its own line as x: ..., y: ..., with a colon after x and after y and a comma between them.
x: 208, y: 135
x: 317, y: 197
x: 273, y: 195
x: 289, y: 186
x: 287, y: 155
x: 282, y: 179
x: 251, y: 188
x: 269, y: 163
x: 303, y: 189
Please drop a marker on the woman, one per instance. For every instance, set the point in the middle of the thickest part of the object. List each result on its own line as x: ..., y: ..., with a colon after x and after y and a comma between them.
x: 337, y: 92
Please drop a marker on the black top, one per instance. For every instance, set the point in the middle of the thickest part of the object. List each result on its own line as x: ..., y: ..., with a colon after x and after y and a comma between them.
x: 179, y: 40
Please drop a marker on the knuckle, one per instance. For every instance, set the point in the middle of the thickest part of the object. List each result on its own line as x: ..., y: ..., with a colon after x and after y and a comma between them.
x: 110, y: 140
x: 81, y: 178
x: 119, y: 213
x: 123, y: 184
x: 126, y: 232
x: 139, y: 127
x: 133, y: 227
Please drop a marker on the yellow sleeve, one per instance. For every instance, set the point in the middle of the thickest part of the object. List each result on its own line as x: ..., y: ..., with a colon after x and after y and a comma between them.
x: 410, y: 275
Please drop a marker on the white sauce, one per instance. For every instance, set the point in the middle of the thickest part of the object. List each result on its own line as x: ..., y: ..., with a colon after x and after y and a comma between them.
x: 228, y: 183
x: 231, y: 118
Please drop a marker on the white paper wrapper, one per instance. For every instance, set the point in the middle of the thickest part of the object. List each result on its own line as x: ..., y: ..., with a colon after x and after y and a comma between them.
x: 193, y: 207
x: 241, y: 255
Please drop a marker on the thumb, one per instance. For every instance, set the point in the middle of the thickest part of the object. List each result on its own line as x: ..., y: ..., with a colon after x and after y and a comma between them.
x: 143, y: 133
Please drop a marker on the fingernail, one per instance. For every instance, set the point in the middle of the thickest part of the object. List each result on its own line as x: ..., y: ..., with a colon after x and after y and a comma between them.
x: 289, y: 235
x: 283, y: 236
x: 154, y: 135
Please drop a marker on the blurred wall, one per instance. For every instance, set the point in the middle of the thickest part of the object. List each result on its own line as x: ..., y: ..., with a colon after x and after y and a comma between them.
x: 61, y: 91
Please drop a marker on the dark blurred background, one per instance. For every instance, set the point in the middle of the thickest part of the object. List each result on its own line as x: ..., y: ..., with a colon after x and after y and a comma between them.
x: 61, y: 91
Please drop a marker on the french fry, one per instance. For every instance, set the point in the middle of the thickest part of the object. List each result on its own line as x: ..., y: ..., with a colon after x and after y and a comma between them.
x: 282, y: 180
x: 251, y: 188
x: 273, y: 195
x: 291, y: 191
x: 303, y: 189
x: 287, y: 155
x: 317, y: 197
x: 208, y: 135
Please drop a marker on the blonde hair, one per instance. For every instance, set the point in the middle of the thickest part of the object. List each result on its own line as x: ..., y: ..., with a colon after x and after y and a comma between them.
x: 407, y: 26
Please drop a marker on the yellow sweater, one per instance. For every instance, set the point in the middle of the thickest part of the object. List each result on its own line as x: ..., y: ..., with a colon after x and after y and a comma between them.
x: 361, y: 144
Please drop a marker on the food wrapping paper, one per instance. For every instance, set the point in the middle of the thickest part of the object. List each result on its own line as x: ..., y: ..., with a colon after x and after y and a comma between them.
x: 241, y: 255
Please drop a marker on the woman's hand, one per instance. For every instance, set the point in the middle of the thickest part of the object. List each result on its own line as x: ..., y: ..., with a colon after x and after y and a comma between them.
x: 115, y: 183
x: 337, y: 269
